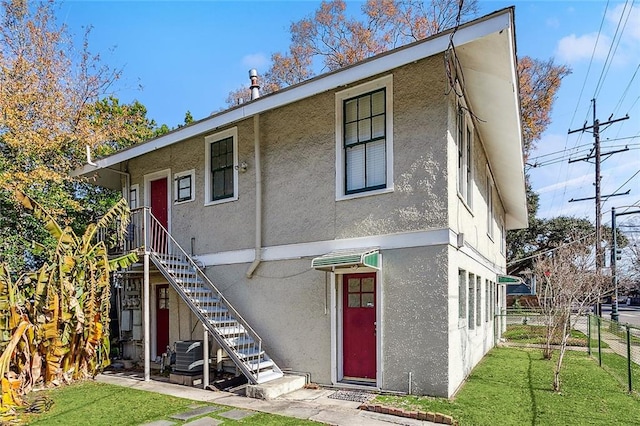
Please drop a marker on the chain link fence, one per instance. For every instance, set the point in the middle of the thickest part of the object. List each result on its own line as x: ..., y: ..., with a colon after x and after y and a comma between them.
x: 528, y: 327
x: 616, y: 346
x: 617, y: 349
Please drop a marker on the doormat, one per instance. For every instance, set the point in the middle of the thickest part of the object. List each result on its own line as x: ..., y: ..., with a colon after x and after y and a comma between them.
x: 355, y: 396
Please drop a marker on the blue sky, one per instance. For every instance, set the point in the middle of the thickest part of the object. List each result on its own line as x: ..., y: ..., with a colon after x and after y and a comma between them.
x: 178, y: 56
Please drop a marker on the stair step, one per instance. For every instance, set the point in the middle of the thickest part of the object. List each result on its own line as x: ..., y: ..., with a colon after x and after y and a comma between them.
x: 264, y: 376
x: 262, y: 365
x: 223, y: 320
x: 238, y: 341
x: 250, y: 352
x: 190, y: 280
x: 209, y: 310
x: 204, y: 300
x: 230, y: 330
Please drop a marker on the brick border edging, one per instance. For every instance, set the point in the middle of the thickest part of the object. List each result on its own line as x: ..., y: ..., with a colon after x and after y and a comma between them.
x: 414, y: 414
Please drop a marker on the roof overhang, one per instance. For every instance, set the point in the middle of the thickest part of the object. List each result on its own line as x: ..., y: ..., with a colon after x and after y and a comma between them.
x: 367, y: 258
x: 487, y: 55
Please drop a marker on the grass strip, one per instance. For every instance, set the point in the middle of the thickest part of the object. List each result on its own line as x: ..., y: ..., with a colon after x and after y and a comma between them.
x: 101, y: 404
x: 513, y: 386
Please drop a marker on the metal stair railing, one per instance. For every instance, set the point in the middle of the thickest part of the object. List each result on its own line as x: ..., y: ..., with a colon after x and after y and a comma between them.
x: 232, y: 332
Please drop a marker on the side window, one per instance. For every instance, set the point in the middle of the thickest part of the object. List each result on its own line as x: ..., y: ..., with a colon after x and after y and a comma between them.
x: 221, y: 159
x: 490, y: 214
x: 465, y: 156
x: 487, y: 300
x: 462, y: 293
x: 472, y: 297
x: 183, y: 186
x: 364, y: 139
x: 478, y: 301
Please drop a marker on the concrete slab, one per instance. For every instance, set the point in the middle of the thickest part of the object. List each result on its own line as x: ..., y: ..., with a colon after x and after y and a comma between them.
x: 160, y: 423
x: 194, y: 413
x: 275, y: 388
x: 236, y: 414
x: 205, y: 421
x: 306, y: 405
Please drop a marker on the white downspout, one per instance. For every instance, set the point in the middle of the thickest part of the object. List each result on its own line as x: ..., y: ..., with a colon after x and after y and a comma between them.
x: 256, y: 149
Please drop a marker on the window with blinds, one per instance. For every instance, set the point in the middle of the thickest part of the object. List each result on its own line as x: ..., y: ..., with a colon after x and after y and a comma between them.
x: 364, y: 139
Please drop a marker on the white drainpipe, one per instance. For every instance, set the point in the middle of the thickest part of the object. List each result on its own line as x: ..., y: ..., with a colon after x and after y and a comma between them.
x: 258, y: 172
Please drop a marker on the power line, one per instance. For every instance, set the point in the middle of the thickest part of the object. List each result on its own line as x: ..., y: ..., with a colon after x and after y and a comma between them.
x: 612, y: 50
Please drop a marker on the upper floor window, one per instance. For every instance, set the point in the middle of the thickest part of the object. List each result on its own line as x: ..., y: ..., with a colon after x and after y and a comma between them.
x: 364, y: 139
x: 465, y: 156
x: 183, y: 186
x: 490, y: 211
x: 221, y: 177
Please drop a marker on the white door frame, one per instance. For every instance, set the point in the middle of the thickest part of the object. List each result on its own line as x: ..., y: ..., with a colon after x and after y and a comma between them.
x: 337, y: 355
x: 148, y: 178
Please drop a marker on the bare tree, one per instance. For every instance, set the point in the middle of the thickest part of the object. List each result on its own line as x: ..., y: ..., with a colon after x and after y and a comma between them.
x: 568, y: 287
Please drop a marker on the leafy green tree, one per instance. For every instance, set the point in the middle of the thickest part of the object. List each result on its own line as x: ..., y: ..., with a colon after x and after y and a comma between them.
x: 54, y: 323
x: 52, y: 98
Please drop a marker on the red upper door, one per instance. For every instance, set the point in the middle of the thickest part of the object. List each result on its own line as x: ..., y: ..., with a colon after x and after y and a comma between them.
x: 359, y: 326
x: 158, y: 197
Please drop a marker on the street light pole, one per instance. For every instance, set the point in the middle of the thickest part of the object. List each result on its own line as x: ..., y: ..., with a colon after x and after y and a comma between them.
x: 614, y: 257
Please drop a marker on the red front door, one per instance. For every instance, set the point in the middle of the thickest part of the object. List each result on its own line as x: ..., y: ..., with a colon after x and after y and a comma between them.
x: 159, y: 200
x: 162, y: 318
x: 359, y: 326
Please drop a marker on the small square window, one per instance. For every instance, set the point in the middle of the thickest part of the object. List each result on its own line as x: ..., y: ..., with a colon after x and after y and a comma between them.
x: 183, y: 184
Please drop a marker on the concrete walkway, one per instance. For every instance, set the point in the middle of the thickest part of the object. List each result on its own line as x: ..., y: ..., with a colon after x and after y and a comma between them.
x: 308, y: 404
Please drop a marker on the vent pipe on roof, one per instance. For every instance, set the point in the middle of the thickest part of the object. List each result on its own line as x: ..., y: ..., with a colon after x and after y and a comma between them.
x: 255, y: 87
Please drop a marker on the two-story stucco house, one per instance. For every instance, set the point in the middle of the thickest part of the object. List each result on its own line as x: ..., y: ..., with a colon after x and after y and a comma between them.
x: 353, y: 225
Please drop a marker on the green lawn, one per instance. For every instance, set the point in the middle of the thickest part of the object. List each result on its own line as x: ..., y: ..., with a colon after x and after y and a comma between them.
x: 513, y: 386
x: 525, y: 333
x: 102, y: 404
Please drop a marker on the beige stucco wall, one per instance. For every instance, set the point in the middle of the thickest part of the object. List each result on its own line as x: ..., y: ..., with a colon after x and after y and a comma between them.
x: 298, y: 144
x: 287, y: 305
x: 415, y: 336
x: 286, y: 301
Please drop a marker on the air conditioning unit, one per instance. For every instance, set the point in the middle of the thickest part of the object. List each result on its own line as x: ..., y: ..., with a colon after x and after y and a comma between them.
x: 188, y: 357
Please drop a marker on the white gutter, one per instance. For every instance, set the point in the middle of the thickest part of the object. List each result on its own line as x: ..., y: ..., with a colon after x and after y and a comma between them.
x: 256, y: 149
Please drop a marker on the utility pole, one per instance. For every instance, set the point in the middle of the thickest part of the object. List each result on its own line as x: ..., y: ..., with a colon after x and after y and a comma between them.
x: 597, y: 156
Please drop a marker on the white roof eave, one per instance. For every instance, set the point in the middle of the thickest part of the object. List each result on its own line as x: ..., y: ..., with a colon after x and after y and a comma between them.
x: 485, y: 79
x: 495, y: 22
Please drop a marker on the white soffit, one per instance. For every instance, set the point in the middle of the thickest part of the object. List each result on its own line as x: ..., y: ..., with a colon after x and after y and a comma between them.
x: 491, y: 86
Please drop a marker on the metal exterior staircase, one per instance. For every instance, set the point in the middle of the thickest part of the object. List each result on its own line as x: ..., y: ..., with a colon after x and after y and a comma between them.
x: 225, y: 324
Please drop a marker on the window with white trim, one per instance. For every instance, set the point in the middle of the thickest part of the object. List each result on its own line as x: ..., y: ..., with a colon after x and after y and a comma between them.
x: 134, y: 193
x: 487, y: 300
x: 478, y: 301
x: 183, y: 186
x: 465, y: 156
x: 462, y: 293
x: 364, y: 160
x: 490, y: 214
x: 472, y: 299
x: 221, y: 160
